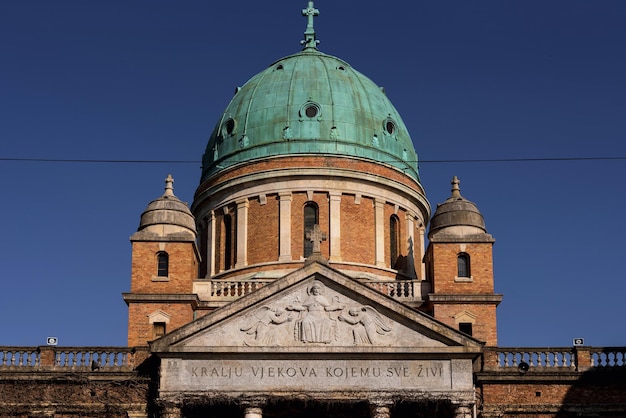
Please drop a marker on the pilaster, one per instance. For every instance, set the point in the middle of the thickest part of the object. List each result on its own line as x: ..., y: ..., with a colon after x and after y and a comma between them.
x: 242, y: 233
x: 285, y: 226
x: 379, y: 216
x: 210, y: 247
x: 335, y: 226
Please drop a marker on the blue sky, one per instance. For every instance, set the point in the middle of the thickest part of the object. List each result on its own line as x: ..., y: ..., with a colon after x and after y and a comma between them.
x: 473, y: 80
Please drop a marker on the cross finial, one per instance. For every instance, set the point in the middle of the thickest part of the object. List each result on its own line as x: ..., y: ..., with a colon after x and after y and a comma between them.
x: 309, y: 34
x: 169, y: 186
x: 456, y: 191
x: 316, y: 236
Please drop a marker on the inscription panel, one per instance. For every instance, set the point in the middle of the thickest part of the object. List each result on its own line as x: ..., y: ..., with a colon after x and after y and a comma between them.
x: 313, y: 375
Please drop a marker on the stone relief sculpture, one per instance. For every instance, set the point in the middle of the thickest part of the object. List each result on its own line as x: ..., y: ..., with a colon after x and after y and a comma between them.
x: 262, y: 325
x: 367, y: 324
x: 319, y: 319
x: 315, y: 324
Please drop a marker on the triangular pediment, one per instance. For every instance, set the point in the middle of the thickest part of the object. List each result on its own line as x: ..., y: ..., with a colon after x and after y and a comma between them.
x: 316, y: 309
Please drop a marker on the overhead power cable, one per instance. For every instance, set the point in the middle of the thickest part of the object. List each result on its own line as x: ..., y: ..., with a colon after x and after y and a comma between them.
x: 467, y: 160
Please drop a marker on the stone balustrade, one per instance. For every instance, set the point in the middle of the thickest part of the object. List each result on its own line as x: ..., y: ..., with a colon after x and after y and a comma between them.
x: 87, y: 358
x: 405, y: 290
x: 19, y: 356
x: 546, y: 359
x: 229, y: 290
x: 556, y: 359
x: 608, y: 356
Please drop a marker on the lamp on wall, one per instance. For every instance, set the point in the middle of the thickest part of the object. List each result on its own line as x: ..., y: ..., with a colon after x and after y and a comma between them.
x: 523, y: 367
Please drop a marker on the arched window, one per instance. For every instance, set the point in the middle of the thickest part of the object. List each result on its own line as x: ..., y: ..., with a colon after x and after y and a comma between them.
x: 311, y: 218
x: 394, y: 239
x: 463, y: 265
x: 163, y: 264
x: 228, y: 242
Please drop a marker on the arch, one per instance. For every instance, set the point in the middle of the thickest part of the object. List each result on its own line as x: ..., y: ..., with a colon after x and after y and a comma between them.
x: 394, y: 239
x: 310, y: 219
x: 163, y: 264
x: 463, y: 265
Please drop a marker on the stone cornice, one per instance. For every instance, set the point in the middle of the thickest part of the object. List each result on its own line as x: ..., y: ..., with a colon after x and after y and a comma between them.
x: 465, y: 298
x: 161, y: 298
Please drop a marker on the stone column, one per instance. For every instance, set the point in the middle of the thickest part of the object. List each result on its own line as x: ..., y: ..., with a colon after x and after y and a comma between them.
x: 284, y: 226
x: 210, y: 245
x: 242, y: 233
x: 169, y: 409
x: 410, y: 265
x: 335, y: 226
x: 422, y: 250
x: 463, y: 411
x: 380, y: 409
x: 252, y: 412
x: 253, y: 408
x: 379, y: 216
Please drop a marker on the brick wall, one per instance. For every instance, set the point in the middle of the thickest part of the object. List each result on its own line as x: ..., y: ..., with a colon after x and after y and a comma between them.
x: 357, y: 230
x: 140, y: 331
x: 444, y: 259
x: 183, y: 267
x: 263, y: 230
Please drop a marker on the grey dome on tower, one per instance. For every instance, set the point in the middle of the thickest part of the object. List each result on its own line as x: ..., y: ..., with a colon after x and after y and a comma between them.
x: 457, y: 216
x: 167, y: 215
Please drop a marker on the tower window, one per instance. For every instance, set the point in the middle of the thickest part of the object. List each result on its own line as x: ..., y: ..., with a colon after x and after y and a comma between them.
x: 311, y: 218
x: 466, y: 327
x: 463, y: 265
x: 158, y: 329
x: 394, y: 239
x: 163, y: 262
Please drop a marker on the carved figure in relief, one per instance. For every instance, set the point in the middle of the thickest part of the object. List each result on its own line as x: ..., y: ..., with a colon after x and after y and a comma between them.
x: 262, y: 325
x: 315, y: 324
x: 368, y: 323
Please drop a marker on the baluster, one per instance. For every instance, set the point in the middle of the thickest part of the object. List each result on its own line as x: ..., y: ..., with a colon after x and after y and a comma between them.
x: 500, y: 356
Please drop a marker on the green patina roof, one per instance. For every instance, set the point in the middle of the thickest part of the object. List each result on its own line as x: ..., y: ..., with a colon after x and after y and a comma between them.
x: 309, y: 103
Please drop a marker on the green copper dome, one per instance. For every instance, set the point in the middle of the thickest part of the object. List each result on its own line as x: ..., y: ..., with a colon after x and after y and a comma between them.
x: 309, y: 103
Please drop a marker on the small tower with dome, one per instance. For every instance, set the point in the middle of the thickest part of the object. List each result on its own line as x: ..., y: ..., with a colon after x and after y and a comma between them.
x: 459, y: 265
x: 164, y: 264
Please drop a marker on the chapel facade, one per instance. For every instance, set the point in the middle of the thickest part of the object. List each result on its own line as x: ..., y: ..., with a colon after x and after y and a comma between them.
x: 311, y: 277
x: 301, y: 270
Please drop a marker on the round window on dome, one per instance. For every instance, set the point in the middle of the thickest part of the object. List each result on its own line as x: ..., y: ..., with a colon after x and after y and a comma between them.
x: 311, y: 110
x: 228, y: 129
x: 390, y: 126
